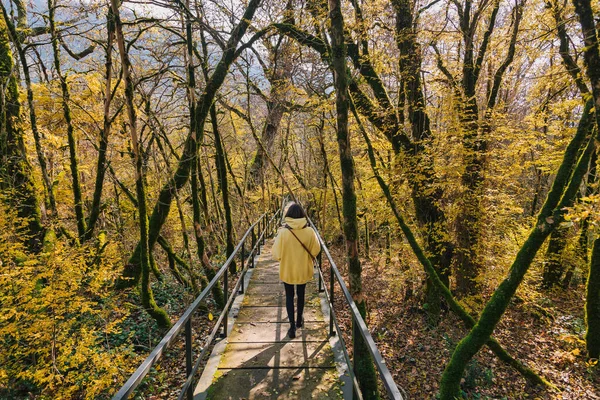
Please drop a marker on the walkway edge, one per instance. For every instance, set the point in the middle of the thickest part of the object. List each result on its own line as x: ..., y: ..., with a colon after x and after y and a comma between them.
x: 201, y: 390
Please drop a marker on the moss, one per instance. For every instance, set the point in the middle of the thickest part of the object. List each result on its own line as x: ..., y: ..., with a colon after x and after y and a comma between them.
x: 74, y: 163
x: 49, y: 241
x: 15, y: 170
x: 592, y: 304
x: 6, y: 61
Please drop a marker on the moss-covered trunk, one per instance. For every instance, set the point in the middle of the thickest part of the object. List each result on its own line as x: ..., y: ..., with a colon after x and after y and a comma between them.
x: 363, y: 365
x: 15, y: 170
x: 269, y: 133
x: 16, y: 38
x: 223, y: 185
x: 468, y: 264
x: 592, y: 304
x: 197, y: 133
x: 582, y: 245
x: 104, y: 134
x: 148, y: 302
x: 66, y: 99
x: 424, y: 191
x: 553, y: 263
x: 591, y: 54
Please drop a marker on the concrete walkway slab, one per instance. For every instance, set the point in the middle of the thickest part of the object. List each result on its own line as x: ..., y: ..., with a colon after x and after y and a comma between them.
x: 275, y: 314
x: 275, y: 332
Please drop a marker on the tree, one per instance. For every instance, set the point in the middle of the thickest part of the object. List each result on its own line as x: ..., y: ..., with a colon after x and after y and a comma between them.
x: 363, y: 365
x: 564, y: 189
x: 17, y: 39
x: 15, y: 170
x: 157, y: 313
x: 77, y: 194
x: 591, y: 55
x: 278, y: 70
x: 474, y: 132
x: 553, y: 265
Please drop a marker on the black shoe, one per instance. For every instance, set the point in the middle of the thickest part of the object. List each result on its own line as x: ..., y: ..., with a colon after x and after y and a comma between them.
x: 300, y: 322
x: 292, y: 333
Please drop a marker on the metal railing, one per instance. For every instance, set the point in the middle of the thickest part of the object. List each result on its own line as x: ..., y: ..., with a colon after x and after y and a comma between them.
x: 265, y: 227
x: 359, y: 327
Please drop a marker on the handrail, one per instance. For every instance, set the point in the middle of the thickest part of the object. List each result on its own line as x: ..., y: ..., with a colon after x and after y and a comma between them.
x: 384, y: 373
x: 185, y: 320
x: 239, y: 283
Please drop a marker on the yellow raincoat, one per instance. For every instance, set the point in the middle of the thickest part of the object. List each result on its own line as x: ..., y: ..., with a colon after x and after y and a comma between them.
x: 295, y: 264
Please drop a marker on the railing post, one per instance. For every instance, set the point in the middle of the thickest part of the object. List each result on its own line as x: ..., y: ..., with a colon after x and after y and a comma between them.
x: 319, y: 266
x: 331, y: 297
x: 258, y: 236
x: 253, y: 246
x: 188, y: 356
x: 242, y: 282
x: 354, y: 351
x: 272, y: 227
x: 242, y: 254
x: 225, y: 291
x: 243, y: 270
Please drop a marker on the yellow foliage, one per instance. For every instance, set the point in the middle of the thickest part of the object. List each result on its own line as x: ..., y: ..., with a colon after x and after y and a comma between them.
x: 57, y: 315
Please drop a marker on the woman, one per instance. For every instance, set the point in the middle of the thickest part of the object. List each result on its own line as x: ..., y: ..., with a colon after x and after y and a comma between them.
x: 295, y: 247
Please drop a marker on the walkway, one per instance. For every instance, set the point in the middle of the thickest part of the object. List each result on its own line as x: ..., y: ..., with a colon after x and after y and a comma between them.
x: 259, y: 361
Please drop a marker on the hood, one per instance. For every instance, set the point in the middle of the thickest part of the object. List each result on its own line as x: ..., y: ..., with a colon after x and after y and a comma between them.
x: 296, y: 223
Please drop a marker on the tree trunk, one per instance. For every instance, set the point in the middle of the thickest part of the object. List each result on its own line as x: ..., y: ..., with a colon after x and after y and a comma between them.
x: 104, y: 134
x: 15, y: 170
x: 148, y: 302
x: 196, y: 132
x: 279, y: 73
x: 77, y: 195
x: 592, y: 304
x: 591, y: 54
x: 223, y: 185
x: 553, y: 263
x: 585, y: 224
x: 16, y: 39
x: 363, y: 365
x: 424, y: 191
x: 269, y: 132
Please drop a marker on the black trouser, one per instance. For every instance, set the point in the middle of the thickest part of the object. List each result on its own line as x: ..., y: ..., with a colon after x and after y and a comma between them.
x: 289, y: 302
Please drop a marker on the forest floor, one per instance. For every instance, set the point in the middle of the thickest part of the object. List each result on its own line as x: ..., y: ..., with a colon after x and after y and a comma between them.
x: 544, y: 330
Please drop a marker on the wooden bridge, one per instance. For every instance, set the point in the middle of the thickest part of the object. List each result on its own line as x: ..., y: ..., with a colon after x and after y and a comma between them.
x: 251, y: 356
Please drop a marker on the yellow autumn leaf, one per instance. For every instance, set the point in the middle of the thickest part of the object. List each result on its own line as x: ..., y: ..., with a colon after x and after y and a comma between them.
x: 575, y: 352
x: 210, y: 317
